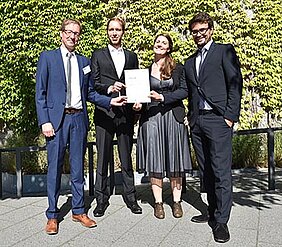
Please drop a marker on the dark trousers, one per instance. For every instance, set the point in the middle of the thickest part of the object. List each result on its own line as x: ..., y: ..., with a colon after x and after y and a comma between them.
x: 73, y: 133
x: 106, y: 128
x: 212, y: 141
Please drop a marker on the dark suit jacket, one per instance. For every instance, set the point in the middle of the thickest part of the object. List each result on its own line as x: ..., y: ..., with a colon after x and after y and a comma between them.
x: 220, y: 82
x: 51, y: 88
x: 172, y: 98
x: 180, y: 92
x: 104, y: 75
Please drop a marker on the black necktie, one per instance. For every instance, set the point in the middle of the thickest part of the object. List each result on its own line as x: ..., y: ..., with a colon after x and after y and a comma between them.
x: 69, y: 55
x: 202, y: 54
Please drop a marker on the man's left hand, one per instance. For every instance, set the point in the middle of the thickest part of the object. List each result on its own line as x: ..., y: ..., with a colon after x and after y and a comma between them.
x: 229, y: 122
x: 118, y: 101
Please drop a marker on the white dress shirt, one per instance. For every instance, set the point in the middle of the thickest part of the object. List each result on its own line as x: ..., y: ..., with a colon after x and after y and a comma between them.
x: 75, y: 85
x: 118, y: 58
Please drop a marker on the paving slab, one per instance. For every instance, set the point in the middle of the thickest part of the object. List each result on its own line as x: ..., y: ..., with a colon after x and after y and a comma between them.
x: 255, y: 219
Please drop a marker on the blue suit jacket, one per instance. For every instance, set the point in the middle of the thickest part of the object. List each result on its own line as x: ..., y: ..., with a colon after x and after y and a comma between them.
x: 51, y: 88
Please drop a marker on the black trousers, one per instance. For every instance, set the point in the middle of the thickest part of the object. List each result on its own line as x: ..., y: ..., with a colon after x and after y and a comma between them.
x: 106, y: 128
x: 212, y: 141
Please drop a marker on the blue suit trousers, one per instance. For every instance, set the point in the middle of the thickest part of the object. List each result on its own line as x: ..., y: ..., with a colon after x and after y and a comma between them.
x: 72, y: 134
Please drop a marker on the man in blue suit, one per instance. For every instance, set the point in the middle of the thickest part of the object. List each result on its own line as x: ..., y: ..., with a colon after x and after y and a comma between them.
x: 63, y: 84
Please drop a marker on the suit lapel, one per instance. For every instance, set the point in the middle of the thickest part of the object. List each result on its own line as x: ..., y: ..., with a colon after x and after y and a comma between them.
x: 208, y: 56
x: 194, y: 68
x: 80, y: 67
x: 61, y: 67
x: 110, y: 60
x: 126, y: 54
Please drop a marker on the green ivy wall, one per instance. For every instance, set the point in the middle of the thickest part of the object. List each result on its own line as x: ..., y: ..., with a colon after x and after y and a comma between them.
x: 31, y: 26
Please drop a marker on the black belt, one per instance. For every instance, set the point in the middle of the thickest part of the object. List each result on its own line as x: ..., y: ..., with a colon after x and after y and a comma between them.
x: 205, y: 112
x: 72, y: 110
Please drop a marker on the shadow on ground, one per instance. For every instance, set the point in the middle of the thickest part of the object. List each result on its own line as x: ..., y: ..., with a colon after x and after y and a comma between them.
x: 249, y: 187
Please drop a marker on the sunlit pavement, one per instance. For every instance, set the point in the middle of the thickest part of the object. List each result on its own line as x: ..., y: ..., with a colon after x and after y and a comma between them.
x: 256, y: 218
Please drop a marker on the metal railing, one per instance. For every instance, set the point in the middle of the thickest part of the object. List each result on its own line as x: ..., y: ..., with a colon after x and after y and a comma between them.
x: 270, y: 150
x: 90, y: 148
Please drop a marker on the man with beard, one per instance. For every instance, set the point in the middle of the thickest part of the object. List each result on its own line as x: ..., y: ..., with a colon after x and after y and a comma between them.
x: 214, y: 84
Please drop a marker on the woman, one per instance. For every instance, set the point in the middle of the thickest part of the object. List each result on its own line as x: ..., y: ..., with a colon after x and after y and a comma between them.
x: 162, y: 143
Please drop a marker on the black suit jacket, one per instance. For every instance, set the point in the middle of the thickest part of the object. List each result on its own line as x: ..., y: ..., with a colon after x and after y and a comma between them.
x: 104, y: 75
x: 219, y: 82
x: 179, y: 92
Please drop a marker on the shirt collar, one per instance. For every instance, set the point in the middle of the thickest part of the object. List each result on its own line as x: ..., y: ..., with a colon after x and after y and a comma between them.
x: 64, y: 51
x: 208, y: 45
x: 113, y: 49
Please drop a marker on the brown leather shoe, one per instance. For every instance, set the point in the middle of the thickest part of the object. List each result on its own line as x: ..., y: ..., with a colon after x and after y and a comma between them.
x: 159, y: 210
x: 177, y: 210
x: 84, y: 220
x: 52, y: 226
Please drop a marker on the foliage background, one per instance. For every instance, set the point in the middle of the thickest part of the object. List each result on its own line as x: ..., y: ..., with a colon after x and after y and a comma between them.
x: 28, y: 27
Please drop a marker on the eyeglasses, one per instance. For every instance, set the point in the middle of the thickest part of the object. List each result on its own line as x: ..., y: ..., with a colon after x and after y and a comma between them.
x: 200, y: 31
x: 70, y: 32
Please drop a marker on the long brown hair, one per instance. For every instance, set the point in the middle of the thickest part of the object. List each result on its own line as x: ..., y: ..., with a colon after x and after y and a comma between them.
x: 169, y: 63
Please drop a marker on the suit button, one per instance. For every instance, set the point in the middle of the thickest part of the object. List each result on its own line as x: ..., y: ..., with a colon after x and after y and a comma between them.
x: 198, y: 88
x: 64, y: 103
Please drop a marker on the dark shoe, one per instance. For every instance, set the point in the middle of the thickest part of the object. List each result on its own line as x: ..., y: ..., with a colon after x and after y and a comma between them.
x: 212, y: 223
x: 177, y: 210
x: 203, y: 218
x: 84, y: 220
x: 135, y: 208
x: 159, y: 210
x: 52, y: 226
x: 221, y: 233
x: 100, y: 209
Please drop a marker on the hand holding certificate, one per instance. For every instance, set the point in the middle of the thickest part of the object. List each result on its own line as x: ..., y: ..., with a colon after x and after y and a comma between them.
x: 137, y: 85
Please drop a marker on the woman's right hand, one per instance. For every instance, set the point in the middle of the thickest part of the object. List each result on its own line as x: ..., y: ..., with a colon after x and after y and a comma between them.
x: 137, y: 106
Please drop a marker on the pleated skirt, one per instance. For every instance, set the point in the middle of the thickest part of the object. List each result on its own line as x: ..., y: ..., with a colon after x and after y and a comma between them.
x: 163, y: 148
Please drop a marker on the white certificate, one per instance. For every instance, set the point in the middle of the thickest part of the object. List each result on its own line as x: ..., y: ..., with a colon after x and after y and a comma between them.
x: 137, y: 85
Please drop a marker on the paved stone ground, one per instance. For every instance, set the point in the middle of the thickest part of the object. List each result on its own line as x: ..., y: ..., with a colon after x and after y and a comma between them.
x: 256, y: 219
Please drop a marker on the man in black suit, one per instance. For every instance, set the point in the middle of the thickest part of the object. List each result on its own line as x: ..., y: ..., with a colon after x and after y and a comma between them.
x: 215, y: 87
x: 107, y: 66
